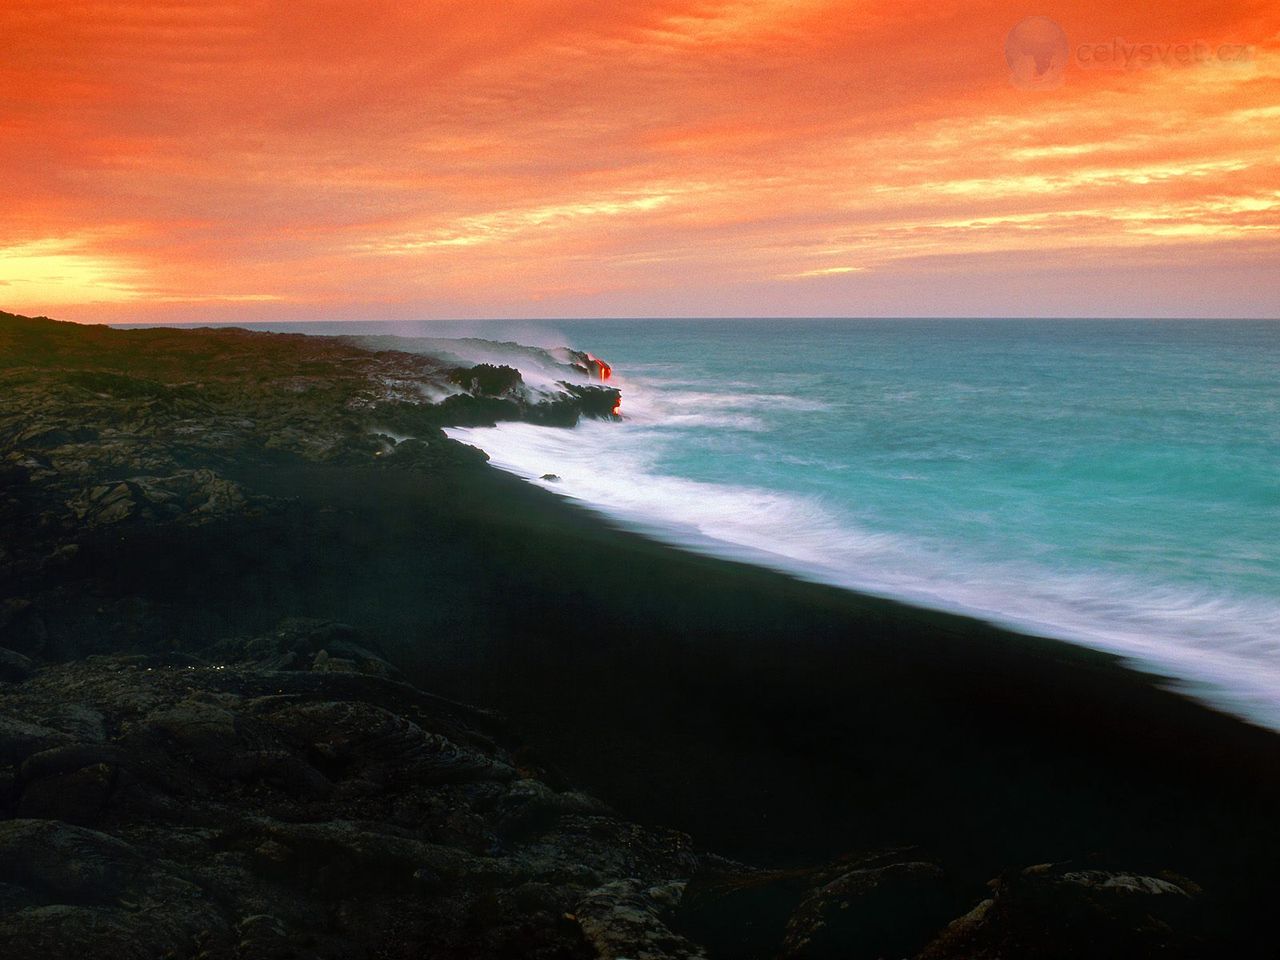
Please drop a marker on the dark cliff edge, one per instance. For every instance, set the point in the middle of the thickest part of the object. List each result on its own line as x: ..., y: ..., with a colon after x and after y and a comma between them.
x: 247, y: 588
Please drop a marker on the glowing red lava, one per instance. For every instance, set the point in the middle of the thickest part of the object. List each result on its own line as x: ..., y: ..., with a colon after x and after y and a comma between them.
x: 603, y: 370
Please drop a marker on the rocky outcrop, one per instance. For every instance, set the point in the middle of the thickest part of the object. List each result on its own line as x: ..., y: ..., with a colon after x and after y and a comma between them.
x: 106, y: 431
x: 252, y: 801
x: 191, y: 496
x: 592, y: 366
x: 118, y: 426
x: 487, y: 380
x: 191, y: 806
x: 628, y: 920
x: 169, y: 788
x: 883, y: 904
x: 1075, y: 910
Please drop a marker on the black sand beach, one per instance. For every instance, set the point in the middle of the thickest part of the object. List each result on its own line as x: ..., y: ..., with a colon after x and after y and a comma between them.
x: 772, y: 717
x: 778, y: 722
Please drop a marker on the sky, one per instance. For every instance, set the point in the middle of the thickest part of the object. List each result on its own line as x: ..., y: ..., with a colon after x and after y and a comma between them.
x: 250, y: 161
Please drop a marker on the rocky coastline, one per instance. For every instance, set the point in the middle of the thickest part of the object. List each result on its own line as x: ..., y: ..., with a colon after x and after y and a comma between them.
x: 212, y: 744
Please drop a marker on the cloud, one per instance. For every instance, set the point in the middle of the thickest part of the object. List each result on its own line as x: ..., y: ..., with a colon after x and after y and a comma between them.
x: 333, y: 159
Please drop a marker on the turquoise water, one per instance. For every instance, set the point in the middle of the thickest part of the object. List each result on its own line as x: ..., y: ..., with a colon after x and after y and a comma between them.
x: 1114, y: 483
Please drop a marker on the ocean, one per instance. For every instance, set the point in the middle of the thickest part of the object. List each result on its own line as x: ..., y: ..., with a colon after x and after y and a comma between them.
x: 1114, y: 483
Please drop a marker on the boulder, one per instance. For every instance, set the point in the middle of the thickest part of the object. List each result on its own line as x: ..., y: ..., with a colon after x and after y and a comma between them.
x: 196, y: 725
x: 20, y: 739
x: 738, y: 910
x: 1066, y: 911
x: 888, y: 911
x: 14, y: 667
x: 626, y: 920
x: 77, y: 796
x: 67, y: 863
x: 78, y: 721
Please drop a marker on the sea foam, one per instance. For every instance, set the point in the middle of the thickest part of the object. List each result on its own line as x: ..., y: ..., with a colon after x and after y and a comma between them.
x: 1220, y: 646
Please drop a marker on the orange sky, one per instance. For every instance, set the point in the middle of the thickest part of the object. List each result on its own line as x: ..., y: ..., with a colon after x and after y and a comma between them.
x: 245, y: 161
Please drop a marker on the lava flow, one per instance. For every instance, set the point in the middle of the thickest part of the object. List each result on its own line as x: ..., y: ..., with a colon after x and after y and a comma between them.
x: 602, y: 370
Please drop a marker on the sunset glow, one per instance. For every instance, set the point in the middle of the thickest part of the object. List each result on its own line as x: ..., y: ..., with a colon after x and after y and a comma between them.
x: 666, y: 157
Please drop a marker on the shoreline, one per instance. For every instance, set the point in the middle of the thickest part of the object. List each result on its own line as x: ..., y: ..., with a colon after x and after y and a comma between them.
x: 1216, y: 685
x: 942, y: 725
x: 779, y: 722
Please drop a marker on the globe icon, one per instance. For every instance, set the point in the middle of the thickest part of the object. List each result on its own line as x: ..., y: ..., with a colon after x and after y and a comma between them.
x: 1036, y: 51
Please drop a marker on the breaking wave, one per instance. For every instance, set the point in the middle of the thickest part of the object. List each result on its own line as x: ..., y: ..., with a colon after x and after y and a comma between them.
x: 1224, y: 650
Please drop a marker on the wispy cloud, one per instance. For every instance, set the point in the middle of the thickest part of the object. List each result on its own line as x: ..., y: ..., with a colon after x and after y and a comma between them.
x: 665, y: 156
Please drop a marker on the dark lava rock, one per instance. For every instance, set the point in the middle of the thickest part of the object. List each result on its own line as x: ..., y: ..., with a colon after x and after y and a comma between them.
x: 628, y: 918
x: 77, y: 796
x: 487, y: 380
x: 52, y: 859
x: 14, y: 666
x: 84, y: 442
x: 20, y: 739
x: 300, y: 644
x: 1062, y: 911
x: 284, y: 793
x: 74, y: 893
x: 224, y: 809
x: 871, y: 906
x: 876, y: 912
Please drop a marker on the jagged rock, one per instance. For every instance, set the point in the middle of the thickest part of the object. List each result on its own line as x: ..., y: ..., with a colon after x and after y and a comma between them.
x: 1060, y: 911
x: 191, y: 496
x: 101, y: 448
x: 196, y: 725
x: 77, y: 796
x: 69, y: 757
x: 602, y: 403
x: 57, y: 860
x: 336, y: 852
x: 299, y: 644
x: 78, y: 721
x: 487, y: 380
x: 227, y: 809
x: 626, y: 920
x: 262, y: 935
x: 304, y: 814
x: 878, y: 912
x: 104, y: 504
x: 74, y: 781
x: 76, y: 892
x: 431, y: 454
x: 359, y: 741
x: 19, y: 739
x: 736, y: 910
x: 530, y: 805
x: 70, y: 932
x: 282, y: 770
x: 14, y: 666
x: 45, y: 436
